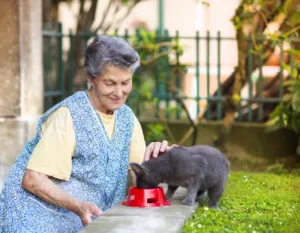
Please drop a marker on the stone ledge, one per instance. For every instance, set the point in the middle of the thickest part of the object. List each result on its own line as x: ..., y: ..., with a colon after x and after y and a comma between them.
x: 124, y: 219
x: 246, y: 140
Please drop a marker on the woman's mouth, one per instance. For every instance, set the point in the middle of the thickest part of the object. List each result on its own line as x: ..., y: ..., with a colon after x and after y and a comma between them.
x: 116, y: 99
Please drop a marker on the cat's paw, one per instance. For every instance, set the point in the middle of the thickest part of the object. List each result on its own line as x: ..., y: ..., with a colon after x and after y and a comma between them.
x: 215, y: 207
x: 188, y: 202
x: 202, y: 198
x: 168, y: 196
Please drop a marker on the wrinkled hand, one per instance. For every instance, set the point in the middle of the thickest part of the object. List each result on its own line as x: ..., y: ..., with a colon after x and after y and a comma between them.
x: 154, y: 149
x: 87, y: 211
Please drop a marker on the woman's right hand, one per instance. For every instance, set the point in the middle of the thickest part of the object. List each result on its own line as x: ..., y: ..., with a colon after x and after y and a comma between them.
x: 87, y: 211
x: 40, y: 185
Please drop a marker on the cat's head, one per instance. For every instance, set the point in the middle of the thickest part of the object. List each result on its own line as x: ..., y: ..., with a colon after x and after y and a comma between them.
x: 144, y: 178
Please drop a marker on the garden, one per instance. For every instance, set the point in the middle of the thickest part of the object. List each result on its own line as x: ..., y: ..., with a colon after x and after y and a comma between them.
x: 253, y: 202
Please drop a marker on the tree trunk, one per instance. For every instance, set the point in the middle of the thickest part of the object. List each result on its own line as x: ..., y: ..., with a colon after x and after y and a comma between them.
x: 84, y: 24
x: 239, y: 82
x: 50, y: 12
x: 240, y: 76
x: 256, y: 25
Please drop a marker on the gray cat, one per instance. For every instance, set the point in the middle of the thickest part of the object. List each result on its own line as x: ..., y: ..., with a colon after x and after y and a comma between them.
x: 198, y: 168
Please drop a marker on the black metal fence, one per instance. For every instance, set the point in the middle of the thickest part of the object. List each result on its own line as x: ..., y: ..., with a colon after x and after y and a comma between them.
x: 207, y: 101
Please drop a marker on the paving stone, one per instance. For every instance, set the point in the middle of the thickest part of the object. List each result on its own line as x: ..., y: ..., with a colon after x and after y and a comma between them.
x: 123, y: 219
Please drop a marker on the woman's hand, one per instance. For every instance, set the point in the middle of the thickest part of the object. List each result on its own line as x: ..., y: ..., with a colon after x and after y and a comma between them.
x: 154, y: 149
x: 87, y: 211
x: 40, y: 185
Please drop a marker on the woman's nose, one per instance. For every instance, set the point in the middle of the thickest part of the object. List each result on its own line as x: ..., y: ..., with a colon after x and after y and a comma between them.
x: 118, y: 91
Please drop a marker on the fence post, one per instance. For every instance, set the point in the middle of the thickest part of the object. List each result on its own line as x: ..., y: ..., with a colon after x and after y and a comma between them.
x: 47, y: 66
x: 178, y: 71
x: 167, y: 74
x: 208, y: 74
x: 219, y: 103
x: 157, y: 81
x: 71, y: 65
x: 138, y: 37
x: 281, y: 70
x: 281, y: 77
x: 292, y: 58
x: 160, y: 16
x: 197, y: 71
x: 260, y: 85
x: 249, y: 73
x: 116, y: 32
x: 126, y: 36
x: 60, y: 62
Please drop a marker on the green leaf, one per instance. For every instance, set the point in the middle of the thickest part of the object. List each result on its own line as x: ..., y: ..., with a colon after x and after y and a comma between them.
x: 287, y: 97
x: 285, y: 120
x: 290, y: 83
x: 124, y: 2
x: 286, y: 67
x: 295, y: 123
x: 296, y: 102
x: 287, y: 6
x: 295, y: 18
x: 205, y: 3
x: 297, y: 64
x: 155, y: 100
x: 276, y: 112
x: 152, y: 35
x: 147, y: 95
x: 273, y: 124
x: 296, y: 87
x: 293, y: 51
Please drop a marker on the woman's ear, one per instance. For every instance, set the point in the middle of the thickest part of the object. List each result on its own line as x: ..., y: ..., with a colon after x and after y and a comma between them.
x: 137, y: 169
x: 89, y: 80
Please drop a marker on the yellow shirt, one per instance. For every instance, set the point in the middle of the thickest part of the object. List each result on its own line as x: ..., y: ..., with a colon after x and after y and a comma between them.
x: 53, y: 154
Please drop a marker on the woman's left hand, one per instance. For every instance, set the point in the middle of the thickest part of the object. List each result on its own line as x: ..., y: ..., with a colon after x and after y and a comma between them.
x: 154, y: 149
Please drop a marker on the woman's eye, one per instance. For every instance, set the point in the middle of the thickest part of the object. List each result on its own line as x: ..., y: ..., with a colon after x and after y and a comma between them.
x: 109, y: 84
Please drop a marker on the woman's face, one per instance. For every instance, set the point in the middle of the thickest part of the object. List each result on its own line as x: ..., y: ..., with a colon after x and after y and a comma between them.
x: 110, y: 89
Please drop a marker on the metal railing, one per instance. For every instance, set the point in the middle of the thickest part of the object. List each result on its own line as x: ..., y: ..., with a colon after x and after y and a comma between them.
x: 251, y: 108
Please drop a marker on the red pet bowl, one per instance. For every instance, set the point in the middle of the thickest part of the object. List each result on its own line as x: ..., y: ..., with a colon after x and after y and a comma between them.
x: 146, y: 197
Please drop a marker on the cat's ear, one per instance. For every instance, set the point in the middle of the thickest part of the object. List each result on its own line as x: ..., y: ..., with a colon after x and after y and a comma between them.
x: 138, y: 170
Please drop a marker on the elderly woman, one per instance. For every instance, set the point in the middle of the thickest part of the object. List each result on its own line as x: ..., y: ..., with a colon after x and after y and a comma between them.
x: 76, y: 166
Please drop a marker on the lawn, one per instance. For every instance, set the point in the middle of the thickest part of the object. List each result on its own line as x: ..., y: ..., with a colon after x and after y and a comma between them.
x: 253, y: 202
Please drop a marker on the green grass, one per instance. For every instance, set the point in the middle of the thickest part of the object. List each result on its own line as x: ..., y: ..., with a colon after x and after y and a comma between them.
x: 253, y: 202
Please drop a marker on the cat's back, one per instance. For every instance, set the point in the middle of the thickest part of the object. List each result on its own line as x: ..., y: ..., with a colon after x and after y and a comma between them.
x: 203, y: 149
x: 199, y: 154
x: 211, y: 154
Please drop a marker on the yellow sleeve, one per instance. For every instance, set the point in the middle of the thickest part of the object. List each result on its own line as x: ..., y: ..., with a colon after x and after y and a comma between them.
x: 53, y: 154
x: 138, y: 144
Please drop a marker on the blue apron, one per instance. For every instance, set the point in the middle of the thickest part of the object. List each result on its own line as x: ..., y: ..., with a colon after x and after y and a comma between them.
x: 99, y: 172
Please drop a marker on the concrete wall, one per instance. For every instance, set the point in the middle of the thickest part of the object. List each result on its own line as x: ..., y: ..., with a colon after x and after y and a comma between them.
x: 10, y: 104
x: 247, y: 144
x: 21, y: 89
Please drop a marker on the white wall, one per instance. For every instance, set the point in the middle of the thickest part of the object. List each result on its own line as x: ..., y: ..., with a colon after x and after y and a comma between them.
x: 186, y: 16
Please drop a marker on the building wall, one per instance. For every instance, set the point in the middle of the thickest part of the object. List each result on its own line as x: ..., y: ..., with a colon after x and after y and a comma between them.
x: 186, y: 16
x: 21, y: 89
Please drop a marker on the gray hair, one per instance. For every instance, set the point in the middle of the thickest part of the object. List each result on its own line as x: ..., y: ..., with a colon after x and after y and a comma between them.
x: 109, y: 50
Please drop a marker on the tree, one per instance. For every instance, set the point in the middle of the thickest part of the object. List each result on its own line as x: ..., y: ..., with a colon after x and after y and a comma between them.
x: 277, y: 13
x: 261, y: 24
x: 118, y: 10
